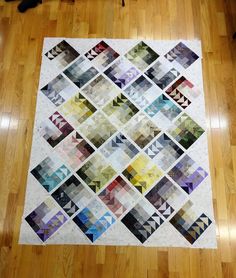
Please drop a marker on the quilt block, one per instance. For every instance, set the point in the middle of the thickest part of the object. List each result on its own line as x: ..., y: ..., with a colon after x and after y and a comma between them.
x: 119, y: 152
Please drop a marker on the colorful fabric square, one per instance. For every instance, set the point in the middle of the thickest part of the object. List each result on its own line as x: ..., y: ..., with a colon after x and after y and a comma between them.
x: 77, y: 109
x: 165, y: 196
x: 142, y: 55
x: 182, y: 55
x: 188, y: 224
x: 59, y: 90
x: 100, y: 90
x: 96, y: 172
x: 62, y: 53
x: 164, y: 106
x: 142, y: 221
x: 46, y: 219
x: 161, y: 74
x: 187, y: 174
x: 119, y: 151
x: 174, y: 92
x: 118, y: 196
x: 74, y: 150
x: 98, y: 129
x: 164, y: 152
x: 50, y: 172
x: 72, y: 195
x: 121, y: 73
x: 185, y: 131
x: 80, y: 72
x: 120, y: 110
x: 94, y: 220
x: 141, y: 130
x: 102, y: 55
x: 141, y: 91
x: 55, y: 129
x: 181, y: 91
x: 142, y: 173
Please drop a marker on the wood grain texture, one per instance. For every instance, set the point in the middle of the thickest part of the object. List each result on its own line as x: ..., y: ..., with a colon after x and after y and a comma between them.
x: 21, y: 38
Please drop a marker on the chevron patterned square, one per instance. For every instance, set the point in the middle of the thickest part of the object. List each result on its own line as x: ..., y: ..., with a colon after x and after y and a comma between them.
x: 119, y: 151
x: 142, y: 220
x: 77, y: 109
x: 59, y: 90
x: 100, y: 91
x: 96, y: 172
x: 189, y: 224
x: 185, y: 131
x: 72, y: 195
x: 50, y: 172
x: 74, y: 150
x: 98, y: 129
x: 55, y: 129
x: 141, y: 130
x: 46, y: 219
x: 142, y: 55
x: 80, y: 72
x: 182, y: 91
x: 142, y: 173
x: 163, y: 111
x: 94, y: 220
x: 62, y: 54
x: 102, y: 55
x: 120, y: 110
x: 161, y: 74
x: 164, y: 152
x: 187, y: 174
x: 165, y: 197
x: 142, y: 92
x: 118, y: 196
x: 121, y: 73
x: 182, y: 55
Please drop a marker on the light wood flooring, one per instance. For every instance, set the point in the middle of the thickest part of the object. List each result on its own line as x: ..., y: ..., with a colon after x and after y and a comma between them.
x: 21, y: 38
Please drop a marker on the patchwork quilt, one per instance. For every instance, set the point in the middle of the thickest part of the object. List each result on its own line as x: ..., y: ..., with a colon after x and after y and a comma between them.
x: 119, y: 152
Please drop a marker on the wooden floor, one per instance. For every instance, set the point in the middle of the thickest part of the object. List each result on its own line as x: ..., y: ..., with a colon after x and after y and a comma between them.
x: 21, y: 37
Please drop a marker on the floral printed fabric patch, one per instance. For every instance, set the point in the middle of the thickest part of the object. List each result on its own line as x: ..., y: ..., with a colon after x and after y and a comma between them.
x: 119, y: 153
